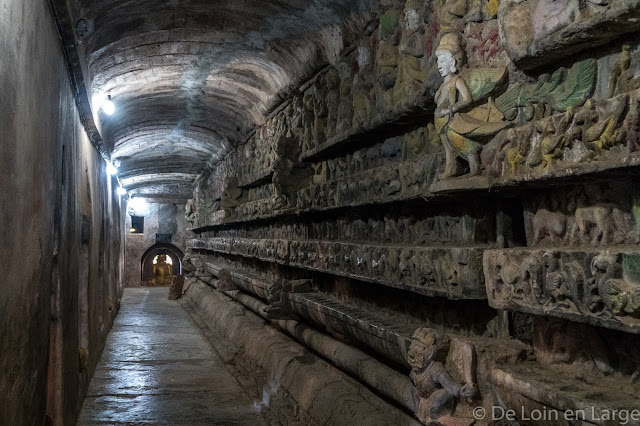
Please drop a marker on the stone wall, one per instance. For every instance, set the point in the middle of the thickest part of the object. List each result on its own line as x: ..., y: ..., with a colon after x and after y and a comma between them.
x: 62, y: 246
x: 457, y: 193
x: 167, y: 219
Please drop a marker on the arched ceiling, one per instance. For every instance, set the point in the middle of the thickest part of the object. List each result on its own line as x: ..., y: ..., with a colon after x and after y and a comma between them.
x: 191, y: 78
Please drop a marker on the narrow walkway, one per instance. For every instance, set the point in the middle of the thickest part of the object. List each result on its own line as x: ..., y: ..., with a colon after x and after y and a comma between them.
x: 158, y: 368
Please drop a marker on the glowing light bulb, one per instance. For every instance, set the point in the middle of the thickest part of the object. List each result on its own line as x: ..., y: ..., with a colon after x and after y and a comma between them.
x: 108, y: 106
x: 111, y: 169
x: 139, y: 206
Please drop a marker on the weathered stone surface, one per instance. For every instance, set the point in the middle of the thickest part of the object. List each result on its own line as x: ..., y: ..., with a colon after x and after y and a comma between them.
x: 540, y: 396
x: 385, y: 336
x: 598, y: 287
x: 537, y: 33
x: 61, y: 225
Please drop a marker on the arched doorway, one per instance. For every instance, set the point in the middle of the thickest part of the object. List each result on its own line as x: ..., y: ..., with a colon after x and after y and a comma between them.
x: 174, y: 257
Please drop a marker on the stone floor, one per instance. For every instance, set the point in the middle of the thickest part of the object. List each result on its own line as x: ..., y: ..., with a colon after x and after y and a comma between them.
x: 158, y: 368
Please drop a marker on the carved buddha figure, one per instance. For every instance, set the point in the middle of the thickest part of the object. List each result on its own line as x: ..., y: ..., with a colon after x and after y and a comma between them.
x: 411, y: 74
x: 162, y: 271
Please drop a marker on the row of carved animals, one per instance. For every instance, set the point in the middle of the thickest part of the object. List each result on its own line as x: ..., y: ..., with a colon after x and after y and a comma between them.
x: 600, y: 288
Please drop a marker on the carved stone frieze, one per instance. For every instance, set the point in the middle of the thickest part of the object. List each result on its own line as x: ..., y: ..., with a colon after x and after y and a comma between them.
x: 596, y: 214
x: 595, y: 137
x: 599, y: 287
x: 455, y: 273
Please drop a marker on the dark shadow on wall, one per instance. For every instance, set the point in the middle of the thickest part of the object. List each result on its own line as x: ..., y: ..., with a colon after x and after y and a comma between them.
x: 146, y: 262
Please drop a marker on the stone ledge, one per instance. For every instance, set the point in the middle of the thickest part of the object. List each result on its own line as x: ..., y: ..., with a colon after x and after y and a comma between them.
x: 388, y: 338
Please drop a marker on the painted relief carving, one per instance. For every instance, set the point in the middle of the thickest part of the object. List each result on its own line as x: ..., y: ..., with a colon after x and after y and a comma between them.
x: 362, y: 85
x: 595, y: 215
x: 387, y: 57
x: 461, y: 126
x: 411, y: 70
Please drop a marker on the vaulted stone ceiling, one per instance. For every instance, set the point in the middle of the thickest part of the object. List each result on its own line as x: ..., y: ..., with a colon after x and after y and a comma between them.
x: 191, y: 78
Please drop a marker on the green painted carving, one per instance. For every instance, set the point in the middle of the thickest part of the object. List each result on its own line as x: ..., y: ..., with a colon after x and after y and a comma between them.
x: 389, y: 21
x: 483, y: 81
x: 559, y: 91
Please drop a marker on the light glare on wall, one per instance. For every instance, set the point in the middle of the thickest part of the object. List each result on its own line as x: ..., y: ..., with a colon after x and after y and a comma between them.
x: 139, y: 206
x: 121, y: 191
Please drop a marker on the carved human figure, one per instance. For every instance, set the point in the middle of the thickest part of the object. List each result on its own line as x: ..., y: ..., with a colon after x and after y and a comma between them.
x: 460, y: 127
x: 362, y: 85
x: 333, y: 102
x: 437, y: 390
x: 231, y: 196
x: 308, y: 121
x: 320, y: 110
x: 345, y: 110
x: 387, y: 57
x: 411, y: 74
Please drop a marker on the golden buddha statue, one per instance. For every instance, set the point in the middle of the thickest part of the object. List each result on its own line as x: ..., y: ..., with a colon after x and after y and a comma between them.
x: 162, y: 271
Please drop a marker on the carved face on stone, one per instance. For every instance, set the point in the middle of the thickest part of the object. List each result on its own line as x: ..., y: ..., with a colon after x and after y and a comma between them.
x: 446, y: 63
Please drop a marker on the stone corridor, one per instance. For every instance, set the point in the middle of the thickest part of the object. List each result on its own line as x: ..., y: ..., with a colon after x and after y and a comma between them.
x: 369, y: 212
x: 158, y: 368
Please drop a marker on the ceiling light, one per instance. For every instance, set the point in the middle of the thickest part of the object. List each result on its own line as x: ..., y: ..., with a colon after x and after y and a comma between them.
x: 139, y: 206
x: 111, y: 169
x: 108, y: 107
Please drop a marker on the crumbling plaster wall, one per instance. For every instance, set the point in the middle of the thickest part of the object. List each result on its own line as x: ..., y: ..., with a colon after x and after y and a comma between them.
x: 60, y: 226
